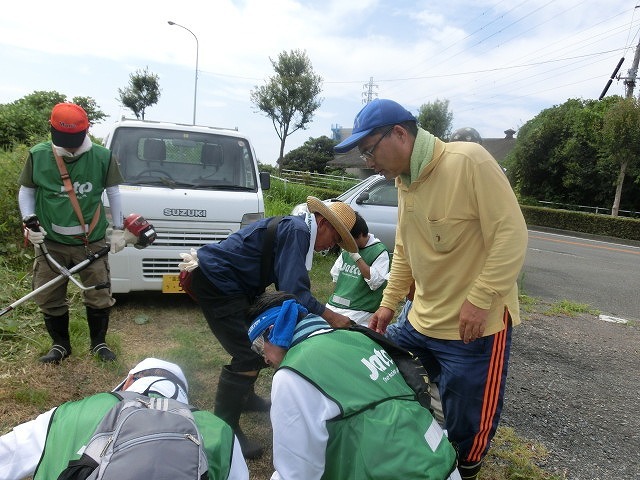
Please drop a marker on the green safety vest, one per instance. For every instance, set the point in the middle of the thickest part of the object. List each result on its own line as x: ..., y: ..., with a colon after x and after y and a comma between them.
x: 382, y: 431
x: 351, y: 290
x: 73, y: 424
x: 88, y: 174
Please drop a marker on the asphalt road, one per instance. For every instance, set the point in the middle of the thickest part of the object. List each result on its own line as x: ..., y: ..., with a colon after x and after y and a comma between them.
x: 602, y: 274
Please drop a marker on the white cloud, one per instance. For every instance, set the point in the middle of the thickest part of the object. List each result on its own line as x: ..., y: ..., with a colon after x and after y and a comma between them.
x: 498, y: 63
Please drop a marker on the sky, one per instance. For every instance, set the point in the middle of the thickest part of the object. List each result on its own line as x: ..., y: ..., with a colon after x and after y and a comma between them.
x: 498, y: 63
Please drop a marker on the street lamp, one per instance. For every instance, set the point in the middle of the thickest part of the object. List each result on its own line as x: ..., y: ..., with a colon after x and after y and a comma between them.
x: 195, y: 88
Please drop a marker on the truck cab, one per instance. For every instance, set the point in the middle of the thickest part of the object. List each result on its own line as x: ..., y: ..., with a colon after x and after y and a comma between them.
x: 195, y: 184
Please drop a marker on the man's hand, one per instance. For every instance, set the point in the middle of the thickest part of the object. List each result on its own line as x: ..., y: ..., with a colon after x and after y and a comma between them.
x: 473, y: 320
x: 381, y: 319
x: 118, y: 241
x: 336, y: 320
x: 36, y: 238
x: 189, y: 260
x: 120, y: 238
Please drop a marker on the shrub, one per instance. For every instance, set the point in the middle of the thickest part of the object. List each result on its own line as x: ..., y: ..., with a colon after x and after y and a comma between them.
x: 11, y: 241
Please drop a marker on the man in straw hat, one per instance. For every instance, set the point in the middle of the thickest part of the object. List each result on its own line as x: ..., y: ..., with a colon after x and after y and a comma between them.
x: 43, y: 447
x: 228, y: 276
x: 364, y: 422
x: 462, y: 237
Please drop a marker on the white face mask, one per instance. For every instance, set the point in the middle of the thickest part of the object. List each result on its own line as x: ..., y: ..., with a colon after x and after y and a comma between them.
x: 84, y: 147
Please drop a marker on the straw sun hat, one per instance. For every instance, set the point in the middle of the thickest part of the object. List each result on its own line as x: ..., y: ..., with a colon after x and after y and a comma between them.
x: 340, y: 215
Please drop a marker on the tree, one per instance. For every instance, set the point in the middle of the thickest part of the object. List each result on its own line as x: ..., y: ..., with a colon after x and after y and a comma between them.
x: 555, y: 155
x: 26, y: 120
x: 290, y: 97
x: 562, y: 155
x: 312, y: 156
x: 436, y: 118
x: 143, y: 91
x: 91, y: 107
x: 621, y: 139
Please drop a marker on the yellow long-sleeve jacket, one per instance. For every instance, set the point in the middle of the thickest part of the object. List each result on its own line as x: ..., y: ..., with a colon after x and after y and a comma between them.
x: 461, y: 235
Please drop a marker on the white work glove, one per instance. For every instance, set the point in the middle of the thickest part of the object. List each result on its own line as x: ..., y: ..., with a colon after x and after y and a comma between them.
x: 355, y: 256
x: 36, y: 238
x: 120, y: 238
x: 189, y: 260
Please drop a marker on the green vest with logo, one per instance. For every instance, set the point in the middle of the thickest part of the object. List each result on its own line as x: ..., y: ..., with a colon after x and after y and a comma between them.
x: 351, y: 290
x: 53, y: 207
x: 73, y: 424
x: 382, y: 431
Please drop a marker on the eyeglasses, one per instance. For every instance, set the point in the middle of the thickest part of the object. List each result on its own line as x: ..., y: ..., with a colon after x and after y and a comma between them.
x: 258, y: 344
x: 368, y: 155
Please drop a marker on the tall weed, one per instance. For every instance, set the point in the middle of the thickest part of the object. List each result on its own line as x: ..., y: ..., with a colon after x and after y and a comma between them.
x: 283, y: 196
x: 11, y: 241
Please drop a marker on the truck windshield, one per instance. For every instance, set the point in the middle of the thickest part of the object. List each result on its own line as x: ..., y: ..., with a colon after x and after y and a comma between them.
x: 180, y: 159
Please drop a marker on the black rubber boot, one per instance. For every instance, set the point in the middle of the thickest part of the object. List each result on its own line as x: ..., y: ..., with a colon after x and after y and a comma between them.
x: 98, y: 320
x: 58, y: 328
x: 231, y: 398
x: 256, y: 403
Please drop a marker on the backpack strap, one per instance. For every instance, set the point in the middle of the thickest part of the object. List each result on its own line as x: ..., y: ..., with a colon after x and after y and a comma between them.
x: 127, y: 395
x: 408, y: 364
x: 266, y: 261
x: 66, y: 180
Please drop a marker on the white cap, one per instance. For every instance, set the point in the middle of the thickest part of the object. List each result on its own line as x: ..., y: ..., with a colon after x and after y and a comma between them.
x: 167, y: 387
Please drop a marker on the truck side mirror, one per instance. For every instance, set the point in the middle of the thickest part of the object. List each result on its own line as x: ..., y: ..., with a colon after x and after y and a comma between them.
x: 363, y: 197
x: 265, y: 180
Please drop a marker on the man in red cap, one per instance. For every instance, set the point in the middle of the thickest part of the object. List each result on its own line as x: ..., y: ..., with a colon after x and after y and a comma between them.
x: 61, y: 185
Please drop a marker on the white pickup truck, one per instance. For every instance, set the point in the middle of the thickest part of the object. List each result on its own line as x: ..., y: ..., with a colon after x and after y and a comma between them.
x: 194, y: 184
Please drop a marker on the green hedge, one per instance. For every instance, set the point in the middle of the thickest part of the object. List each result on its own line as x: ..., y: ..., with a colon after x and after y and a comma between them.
x: 590, y: 223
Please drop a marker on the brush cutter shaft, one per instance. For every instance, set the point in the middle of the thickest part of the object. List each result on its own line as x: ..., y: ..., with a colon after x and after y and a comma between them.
x: 64, y: 274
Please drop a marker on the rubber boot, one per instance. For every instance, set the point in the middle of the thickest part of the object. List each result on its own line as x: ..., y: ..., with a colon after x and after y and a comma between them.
x: 58, y: 328
x: 98, y: 320
x: 256, y: 403
x: 231, y: 398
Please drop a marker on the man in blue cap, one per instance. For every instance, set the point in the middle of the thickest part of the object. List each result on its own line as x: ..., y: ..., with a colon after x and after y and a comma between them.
x: 462, y: 237
x: 340, y: 406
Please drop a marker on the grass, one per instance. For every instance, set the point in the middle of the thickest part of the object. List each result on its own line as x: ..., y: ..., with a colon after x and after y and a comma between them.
x: 169, y: 327
x: 514, y: 458
x: 571, y: 309
x: 175, y: 330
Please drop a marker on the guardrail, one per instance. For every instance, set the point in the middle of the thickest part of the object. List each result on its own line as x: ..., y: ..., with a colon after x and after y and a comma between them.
x: 596, y: 210
x: 343, y: 182
x: 320, y: 180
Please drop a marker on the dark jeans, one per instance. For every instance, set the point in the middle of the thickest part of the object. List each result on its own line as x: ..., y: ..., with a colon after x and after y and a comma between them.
x: 227, y: 319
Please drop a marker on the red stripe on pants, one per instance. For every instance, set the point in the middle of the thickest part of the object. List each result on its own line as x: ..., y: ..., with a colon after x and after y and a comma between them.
x: 491, y: 393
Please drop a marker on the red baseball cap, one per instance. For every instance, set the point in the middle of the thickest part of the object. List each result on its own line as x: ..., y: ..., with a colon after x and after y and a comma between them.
x: 69, y: 125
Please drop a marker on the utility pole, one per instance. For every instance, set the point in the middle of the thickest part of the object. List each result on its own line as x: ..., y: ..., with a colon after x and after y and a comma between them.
x: 368, y: 95
x: 630, y: 81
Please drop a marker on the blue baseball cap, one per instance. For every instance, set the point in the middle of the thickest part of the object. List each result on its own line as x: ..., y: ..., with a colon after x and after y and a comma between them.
x: 377, y: 113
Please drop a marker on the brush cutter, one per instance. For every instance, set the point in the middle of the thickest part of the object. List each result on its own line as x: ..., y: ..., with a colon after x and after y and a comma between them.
x: 136, y: 224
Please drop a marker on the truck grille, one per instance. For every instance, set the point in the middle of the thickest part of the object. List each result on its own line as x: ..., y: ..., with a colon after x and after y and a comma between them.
x: 189, y: 238
x: 154, y: 268
x: 184, y: 240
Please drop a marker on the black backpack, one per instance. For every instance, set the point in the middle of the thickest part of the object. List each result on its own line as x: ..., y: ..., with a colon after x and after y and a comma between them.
x: 143, y: 437
x: 408, y: 364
